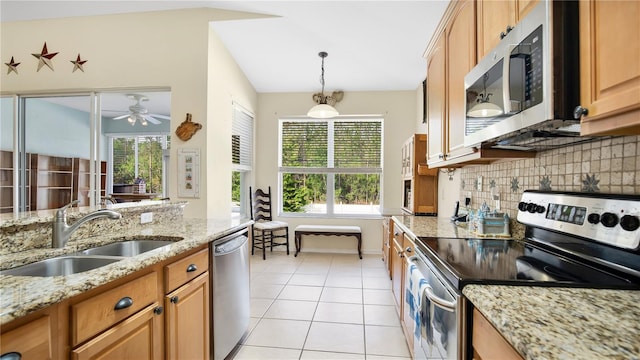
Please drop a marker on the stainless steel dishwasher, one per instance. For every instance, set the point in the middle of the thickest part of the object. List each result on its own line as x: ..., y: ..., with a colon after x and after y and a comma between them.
x: 230, y: 292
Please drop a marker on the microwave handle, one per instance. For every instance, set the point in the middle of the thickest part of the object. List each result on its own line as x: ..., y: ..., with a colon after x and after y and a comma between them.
x: 506, y: 80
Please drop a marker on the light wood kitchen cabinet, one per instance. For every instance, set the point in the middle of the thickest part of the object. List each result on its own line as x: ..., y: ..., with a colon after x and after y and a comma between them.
x: 436, y: 104
x: 187, y: 307
x: 397, y: 260
x: 137, y: 337
x: 495, y: 18
x: 488, y: 343
x: 420, y: 184
x: 460, y: 37
x: 102, y: 311
x: 610, y: 67
x: 32, y: 340
x: 187, y: 320
x: 387, y: 241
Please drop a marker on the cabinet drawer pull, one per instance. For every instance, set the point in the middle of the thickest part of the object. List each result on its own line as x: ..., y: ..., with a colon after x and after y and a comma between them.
x: 158, y: 310
x: 408, y: 249
x: 192, y: 268
x: 11, y: 356
x: 174, y: 299
x: 123, y: 303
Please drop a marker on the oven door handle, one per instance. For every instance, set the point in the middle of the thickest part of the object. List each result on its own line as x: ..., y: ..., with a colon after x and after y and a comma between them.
x: 440, y: 302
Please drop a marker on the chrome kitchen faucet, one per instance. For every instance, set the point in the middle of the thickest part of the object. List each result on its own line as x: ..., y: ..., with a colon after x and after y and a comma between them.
x: 62, y: 231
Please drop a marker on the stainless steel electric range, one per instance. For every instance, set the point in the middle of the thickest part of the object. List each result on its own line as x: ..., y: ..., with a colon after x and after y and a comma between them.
x: 571, y: 240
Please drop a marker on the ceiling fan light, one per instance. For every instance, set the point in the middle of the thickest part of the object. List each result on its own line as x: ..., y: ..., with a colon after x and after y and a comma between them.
x: 131, y: 120
x: 322, y: 111
x: 484, y: 109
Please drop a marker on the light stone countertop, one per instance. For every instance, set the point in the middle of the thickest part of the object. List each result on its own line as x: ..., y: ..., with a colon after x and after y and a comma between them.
x: 21, y: 295
x: 562, y: 323
x: 549, y: 323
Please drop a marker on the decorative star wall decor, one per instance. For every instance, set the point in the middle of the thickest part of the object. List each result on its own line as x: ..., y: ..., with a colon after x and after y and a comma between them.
x: 78, y: 63
x: 13, y: 66
x: 45, y: 58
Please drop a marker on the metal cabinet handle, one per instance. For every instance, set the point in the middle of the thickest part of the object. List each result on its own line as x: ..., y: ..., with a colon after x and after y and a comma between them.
x: 174, y: 299
x: 123, y: 303
x: 158, y: 310
x: 192, y: 268
x: 408, y: 249
x: 11, y: 356
x: 579, y: 112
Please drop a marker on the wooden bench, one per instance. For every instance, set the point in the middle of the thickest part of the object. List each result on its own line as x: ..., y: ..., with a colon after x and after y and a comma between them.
x: 327, y: 230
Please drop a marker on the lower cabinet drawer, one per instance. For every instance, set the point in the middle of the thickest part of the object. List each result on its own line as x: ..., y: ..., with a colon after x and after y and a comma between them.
x: 184, y: 270
x: 102, y: 311
x: 137, y: 338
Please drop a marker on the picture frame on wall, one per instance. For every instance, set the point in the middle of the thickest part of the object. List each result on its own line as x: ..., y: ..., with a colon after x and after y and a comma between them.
x: 189, y: 173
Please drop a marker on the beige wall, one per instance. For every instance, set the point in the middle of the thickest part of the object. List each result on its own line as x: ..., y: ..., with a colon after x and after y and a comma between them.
x: 399, y: 112
x: 168, y: 49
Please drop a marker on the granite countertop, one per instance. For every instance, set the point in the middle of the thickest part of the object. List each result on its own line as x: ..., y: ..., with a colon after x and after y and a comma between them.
x: 429, y: 226
x: 562, y: 323
x: 21, y: 295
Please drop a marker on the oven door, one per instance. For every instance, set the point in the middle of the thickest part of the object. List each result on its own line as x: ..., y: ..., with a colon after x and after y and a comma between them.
x: 441, y: 316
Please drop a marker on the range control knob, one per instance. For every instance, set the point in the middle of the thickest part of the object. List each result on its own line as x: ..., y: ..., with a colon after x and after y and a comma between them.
x: 522, y: 206
x: 593, y: 218
x: 630, y: 222
x: 609, y: 219
x: 531, y: 207
x: 540, y: 209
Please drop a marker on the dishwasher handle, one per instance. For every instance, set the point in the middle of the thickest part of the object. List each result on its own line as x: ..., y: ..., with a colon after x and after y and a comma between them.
x: 230, y: 245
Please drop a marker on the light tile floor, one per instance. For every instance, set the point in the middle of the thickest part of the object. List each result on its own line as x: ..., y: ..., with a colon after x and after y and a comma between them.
x: 322, y: 306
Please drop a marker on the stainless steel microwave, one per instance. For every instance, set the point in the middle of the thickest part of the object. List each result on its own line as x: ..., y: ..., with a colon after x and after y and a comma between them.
x: 522, y: 94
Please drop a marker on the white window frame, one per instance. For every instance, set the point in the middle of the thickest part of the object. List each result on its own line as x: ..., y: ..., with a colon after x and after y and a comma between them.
x: 245, y: 167
x: 330, y: 170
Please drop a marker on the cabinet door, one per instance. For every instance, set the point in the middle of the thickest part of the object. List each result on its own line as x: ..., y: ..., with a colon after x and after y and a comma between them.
x: 32, y: 340
x: 138, y: 337
x: 397, y: 258
x: 610, y: 65
x: 436, y: 93
x: 187, y: 320
x: 461, y: 57
x: 493, y: 19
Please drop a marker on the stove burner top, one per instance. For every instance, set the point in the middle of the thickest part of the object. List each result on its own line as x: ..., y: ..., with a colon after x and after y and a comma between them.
x: 571, y: 239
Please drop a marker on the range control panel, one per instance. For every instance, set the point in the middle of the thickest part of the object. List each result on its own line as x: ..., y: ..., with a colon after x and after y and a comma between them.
x: 607, y: 218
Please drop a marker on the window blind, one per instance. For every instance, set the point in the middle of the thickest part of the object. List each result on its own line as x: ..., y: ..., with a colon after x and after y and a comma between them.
x: 304, y: 143
x: 241, y: 138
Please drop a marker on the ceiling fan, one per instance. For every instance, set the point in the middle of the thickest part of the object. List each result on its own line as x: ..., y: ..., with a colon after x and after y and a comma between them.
x: 137, y: 112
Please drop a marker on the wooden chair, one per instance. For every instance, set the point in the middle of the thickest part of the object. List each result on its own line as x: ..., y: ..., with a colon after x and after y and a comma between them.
x: 265, y: 229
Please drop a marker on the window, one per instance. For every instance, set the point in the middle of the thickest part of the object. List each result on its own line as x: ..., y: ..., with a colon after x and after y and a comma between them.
x: 330, y: 167
x: 140, y: 157
x: 241, y: 158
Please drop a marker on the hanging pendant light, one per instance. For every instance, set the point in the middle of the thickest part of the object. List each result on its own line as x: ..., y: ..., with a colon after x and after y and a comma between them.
x: 324, y: 109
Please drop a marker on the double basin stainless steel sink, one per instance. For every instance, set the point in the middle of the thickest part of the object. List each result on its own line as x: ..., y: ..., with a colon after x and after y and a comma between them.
x: 89, y: 259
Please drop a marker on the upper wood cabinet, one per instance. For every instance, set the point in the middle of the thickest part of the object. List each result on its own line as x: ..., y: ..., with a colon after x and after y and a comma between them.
x: 497, y: 17
x: 610, y: 67
x: 436, y: 104
x: 420, y: 184
x: 460, y: 37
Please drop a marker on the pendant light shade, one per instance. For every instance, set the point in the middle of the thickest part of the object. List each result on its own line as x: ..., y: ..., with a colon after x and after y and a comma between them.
x: 324, y: 109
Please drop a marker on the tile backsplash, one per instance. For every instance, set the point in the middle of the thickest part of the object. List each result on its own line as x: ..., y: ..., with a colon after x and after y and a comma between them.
x: 611, y: 165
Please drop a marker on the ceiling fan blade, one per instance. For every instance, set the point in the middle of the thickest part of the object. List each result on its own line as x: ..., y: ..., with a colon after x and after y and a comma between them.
x: 120, y: 117
x: 161, y: 116
x: 151, y: 119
